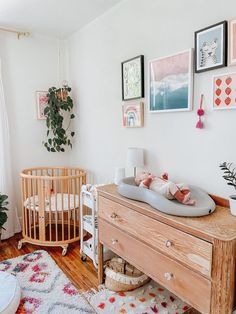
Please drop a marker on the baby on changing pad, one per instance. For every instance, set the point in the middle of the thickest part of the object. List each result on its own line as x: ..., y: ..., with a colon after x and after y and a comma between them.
x: 165, y: 187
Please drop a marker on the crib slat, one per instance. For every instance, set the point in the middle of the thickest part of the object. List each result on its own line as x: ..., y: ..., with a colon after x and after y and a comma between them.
x: 50, y: 215
x: 25, y: 208
x: 34, y: 210
x: 69, y: 211
x: 56, y: 186
x: 74, y: 208
x: 23, y: 205
x: 62, y: 213
x: 42, y: 229
x: 29, y: 209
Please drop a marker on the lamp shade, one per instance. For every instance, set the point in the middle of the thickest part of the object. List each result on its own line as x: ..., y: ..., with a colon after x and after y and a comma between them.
x: 135, y: 157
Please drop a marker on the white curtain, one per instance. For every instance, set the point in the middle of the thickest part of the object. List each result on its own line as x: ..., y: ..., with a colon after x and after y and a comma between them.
x: 6, y: 185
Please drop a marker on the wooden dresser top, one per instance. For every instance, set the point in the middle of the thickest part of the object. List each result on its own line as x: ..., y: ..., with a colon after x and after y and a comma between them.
x: 219, y: 225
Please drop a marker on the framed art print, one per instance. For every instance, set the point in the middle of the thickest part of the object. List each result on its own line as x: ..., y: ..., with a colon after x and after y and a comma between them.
x: 133, y: 78
x: 171, y: 83
x: 224, y: 91
x: 211, y: 47
x: 133, y: 114
x: 232, y: 42
x: 41, y: 101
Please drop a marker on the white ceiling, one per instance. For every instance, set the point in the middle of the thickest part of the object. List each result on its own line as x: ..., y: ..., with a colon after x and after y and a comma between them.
x: 57, y: 18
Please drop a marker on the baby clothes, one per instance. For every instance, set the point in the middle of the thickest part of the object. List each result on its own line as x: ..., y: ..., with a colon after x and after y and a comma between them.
x: 168, y: 189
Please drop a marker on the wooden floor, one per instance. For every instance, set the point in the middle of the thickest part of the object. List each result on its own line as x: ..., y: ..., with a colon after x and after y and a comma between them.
x: 82, y: 274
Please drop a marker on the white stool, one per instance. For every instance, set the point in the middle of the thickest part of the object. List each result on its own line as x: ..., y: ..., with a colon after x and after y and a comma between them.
x: 10, y: 293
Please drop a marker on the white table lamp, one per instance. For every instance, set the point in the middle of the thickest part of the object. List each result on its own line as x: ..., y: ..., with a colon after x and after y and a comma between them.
x: 135, y: 158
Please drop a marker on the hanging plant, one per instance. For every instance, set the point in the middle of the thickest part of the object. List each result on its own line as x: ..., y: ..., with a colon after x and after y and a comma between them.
x: 59, y: 103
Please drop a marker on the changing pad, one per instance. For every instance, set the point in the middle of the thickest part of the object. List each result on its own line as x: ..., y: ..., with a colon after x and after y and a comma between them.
x: 204, y: 203
x: 56, y: 202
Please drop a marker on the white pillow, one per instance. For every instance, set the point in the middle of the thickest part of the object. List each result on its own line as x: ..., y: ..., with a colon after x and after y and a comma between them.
x: 10, y: 293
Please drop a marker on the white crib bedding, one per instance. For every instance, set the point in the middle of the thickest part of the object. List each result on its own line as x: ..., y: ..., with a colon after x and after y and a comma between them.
x: 67, y: 201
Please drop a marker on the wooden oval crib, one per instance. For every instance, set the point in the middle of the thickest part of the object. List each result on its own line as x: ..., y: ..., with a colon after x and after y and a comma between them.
x: 50, y: 198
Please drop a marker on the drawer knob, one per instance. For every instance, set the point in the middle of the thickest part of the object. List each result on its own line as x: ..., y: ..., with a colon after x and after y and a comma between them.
x: 168, y: 243
x: 114, y: 216
x: 168, y: 276
x: 114, y: 241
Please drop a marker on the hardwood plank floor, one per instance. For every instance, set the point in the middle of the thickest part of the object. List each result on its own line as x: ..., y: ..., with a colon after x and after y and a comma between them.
x: 82, y: 274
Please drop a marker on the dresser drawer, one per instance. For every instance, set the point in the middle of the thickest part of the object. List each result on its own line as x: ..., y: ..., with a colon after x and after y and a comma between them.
x: 188, y: 285
x: 189, y: 250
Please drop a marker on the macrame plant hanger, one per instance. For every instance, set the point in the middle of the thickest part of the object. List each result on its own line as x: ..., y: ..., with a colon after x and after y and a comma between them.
x: 62, y: 83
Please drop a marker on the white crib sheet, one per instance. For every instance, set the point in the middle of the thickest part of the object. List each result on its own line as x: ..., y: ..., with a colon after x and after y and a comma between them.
x: 56, y: 202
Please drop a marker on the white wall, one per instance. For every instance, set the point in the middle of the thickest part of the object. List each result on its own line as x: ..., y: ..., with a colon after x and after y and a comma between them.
x: 154, y: 28
x: 28, y: 65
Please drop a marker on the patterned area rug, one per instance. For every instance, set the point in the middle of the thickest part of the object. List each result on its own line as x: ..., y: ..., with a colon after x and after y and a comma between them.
x: 149, y: 299
x: 45, y: 288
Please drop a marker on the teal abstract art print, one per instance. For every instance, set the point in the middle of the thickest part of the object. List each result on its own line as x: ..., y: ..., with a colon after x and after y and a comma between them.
x: 170, y: 83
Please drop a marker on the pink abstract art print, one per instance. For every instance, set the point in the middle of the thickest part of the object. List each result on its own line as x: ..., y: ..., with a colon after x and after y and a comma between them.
x: 232, y: 42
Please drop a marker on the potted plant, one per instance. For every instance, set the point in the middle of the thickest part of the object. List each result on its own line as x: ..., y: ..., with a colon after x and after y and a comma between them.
x: 3, y: 209
x: 58, y: 111
x: 230, y: 177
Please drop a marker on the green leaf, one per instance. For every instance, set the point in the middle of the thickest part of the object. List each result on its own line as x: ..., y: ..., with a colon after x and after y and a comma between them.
x: 3, y: 219
x: 46, y: 110
x: 3, y: 197
x: 53, y: 150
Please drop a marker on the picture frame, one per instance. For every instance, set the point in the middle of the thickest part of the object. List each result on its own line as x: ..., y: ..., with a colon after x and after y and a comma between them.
x: 133, y: 114
x: 132, y: 72
x: 232, y: 42
x: 224, y: 92
x: 171, y: 83
x: 41, y: 102
x: 211, y: 47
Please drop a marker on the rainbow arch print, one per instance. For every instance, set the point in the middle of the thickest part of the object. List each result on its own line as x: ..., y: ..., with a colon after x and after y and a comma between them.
x: 133, y: 115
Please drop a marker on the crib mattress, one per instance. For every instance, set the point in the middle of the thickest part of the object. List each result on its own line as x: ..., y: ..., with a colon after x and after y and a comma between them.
x: 69, y: 201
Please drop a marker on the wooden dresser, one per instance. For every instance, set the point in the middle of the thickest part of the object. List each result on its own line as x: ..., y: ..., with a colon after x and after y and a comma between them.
x: 192, y: 257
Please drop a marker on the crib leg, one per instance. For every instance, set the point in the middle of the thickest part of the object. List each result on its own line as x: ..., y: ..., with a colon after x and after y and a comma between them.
x: 64, y: 249
x: 20, y: 243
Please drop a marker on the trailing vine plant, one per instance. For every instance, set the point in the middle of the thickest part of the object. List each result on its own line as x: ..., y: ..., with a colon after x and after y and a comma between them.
x: 59, y: 103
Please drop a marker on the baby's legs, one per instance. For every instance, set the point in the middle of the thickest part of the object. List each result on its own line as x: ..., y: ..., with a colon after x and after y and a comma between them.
x: 183, y: 196
x: 183, y: 188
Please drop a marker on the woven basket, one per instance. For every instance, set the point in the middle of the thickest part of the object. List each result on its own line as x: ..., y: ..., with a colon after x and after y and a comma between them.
x: 121, y: 276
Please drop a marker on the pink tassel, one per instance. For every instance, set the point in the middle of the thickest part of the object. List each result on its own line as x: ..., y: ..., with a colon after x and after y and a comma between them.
x: 199, y: 124
x: 200, y: 113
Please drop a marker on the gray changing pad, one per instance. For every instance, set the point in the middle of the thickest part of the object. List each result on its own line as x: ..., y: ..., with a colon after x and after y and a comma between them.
x: 204, y: 203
